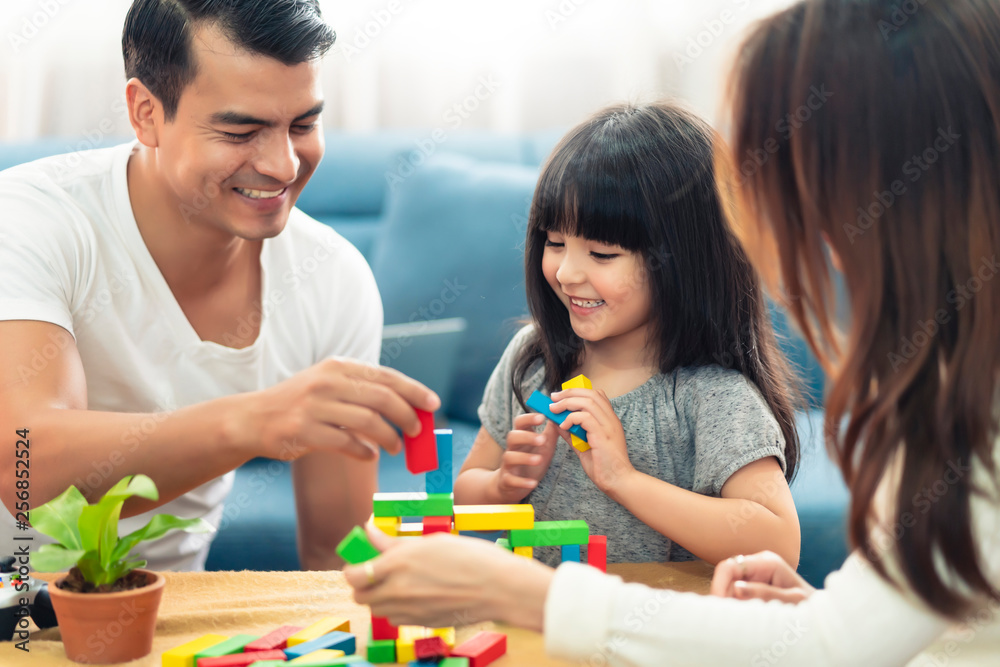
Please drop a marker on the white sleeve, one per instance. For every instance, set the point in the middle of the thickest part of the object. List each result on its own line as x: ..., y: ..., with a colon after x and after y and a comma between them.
x: 354, y: 323
x: 857, y: 619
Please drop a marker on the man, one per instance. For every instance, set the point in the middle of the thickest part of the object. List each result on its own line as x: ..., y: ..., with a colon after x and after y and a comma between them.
x: 153, y: 315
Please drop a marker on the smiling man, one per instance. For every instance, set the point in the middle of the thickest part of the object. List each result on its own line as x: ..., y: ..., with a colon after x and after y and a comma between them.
x: 149, y: 281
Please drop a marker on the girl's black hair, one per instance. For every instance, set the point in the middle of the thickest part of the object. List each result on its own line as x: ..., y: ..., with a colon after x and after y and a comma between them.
x: 642, y: 177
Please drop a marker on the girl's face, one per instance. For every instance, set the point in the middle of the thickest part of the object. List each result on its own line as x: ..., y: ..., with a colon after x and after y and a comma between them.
x: 604, y: 288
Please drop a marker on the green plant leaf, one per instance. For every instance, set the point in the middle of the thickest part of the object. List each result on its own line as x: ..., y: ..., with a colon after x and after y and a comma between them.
x: 59, y: 518
x: 90, y: 567
x: 157, y: 527
x: 55, y: 558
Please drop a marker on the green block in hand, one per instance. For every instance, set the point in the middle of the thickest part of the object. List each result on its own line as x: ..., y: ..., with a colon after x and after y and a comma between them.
x: 356, y: 547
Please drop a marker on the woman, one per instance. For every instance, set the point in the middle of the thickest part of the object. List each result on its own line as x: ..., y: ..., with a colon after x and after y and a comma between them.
x: 866, y: 133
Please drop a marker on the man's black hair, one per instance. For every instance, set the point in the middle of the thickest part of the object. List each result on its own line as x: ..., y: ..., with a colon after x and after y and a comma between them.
x: 156, y: 40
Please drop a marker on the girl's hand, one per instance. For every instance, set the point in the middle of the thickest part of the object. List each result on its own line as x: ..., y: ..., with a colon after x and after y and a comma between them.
x: 442, y: 580
x: 606, y: 462
x: 762, y: 576
x: 527, y: 457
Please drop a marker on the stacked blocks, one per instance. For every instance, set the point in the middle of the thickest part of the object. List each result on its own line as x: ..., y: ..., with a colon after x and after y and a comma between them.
x: 439, y: 481
x: 579, y: 382
x: 421, y: 449
x: 571, y: 553
x: 597, y: 552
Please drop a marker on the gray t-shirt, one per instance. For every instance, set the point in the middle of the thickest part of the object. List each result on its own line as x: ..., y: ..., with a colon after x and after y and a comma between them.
x: 692, y: 427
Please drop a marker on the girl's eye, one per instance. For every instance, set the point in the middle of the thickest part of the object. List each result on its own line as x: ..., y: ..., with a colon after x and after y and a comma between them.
x: 237, y: 137
x: 553, y: 244
x: 603, y: 256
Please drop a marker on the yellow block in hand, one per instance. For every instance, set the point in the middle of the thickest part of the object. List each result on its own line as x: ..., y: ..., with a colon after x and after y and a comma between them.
x: 324, y: 626
x: 183, y: 655
x: 579, y: 382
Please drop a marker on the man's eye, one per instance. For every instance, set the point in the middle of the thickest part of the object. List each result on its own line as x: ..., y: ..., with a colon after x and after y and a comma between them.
x: 237, y: 137
x: 304, y: 129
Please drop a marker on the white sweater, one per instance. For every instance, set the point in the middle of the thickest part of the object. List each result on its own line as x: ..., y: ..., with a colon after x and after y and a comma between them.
x: 856, y: 619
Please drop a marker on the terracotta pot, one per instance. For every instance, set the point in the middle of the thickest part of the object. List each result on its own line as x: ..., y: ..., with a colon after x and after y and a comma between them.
x: 105, y: 628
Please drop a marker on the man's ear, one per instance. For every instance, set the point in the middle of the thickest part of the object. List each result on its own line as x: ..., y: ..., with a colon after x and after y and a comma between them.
x: 145, y: 112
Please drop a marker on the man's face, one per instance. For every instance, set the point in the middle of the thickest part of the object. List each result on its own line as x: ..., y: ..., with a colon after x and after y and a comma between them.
x: 245, y: 139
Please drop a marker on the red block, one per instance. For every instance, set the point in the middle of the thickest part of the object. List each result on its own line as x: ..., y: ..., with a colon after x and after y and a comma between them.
x: 382, y: 629
x: 597, y: 552
x: 421, y: 450
x: 241, y: 659
x: 482, y: 649
x: 437, y: 524
x: 277, y: 639
x: 430, y: 647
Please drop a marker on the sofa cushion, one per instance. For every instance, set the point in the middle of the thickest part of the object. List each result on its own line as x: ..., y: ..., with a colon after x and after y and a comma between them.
x: 452, y: 246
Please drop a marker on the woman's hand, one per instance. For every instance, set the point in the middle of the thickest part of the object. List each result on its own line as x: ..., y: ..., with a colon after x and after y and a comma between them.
x: 526, y: 458
x: 606, y: 462
x: 761, y: 576
x: 443, y: 580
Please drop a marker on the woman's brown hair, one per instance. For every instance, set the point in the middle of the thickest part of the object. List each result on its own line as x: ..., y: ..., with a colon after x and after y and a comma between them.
x: 872, y: 128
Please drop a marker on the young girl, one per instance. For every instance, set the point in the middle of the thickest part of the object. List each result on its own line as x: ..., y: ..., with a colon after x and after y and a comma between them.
x: 635, y: 280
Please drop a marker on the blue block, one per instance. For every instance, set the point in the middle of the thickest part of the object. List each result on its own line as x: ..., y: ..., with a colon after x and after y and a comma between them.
x: 440, y: 480
x: 571, y: 553
x: 337, y: 640
x: 540, y: 403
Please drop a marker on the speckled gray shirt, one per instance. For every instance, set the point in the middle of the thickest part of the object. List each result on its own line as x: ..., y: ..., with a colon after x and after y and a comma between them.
x: 693, y: 427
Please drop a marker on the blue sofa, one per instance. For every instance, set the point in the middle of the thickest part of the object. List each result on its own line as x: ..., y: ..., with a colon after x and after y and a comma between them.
x: 442, y: 224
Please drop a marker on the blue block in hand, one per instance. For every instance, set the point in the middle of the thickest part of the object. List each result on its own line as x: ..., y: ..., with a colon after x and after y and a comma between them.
x: 540, y: 403
x: 440, y: 480
x: 571, y: 553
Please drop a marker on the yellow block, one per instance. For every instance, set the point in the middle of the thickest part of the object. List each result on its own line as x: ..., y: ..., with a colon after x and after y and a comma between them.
x: 494, y: 517
x: 324, y: 626
x: 408, y: 634
x: 447, y: 634
x: 183, y: 655
x: 579, y: 382
x: 317, y: 656
x: 388, y: 524
x: 527, y: 552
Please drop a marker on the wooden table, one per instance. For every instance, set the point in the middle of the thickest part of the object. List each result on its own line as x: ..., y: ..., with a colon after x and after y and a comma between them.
x: 229, y: 603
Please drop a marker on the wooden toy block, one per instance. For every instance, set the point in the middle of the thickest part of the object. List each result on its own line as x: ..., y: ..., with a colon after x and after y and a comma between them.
x: 318, y: 629
x: 431, y: 647
x: 272, y: 640
x: 540, y: 403
x: 597, y: 552
x: 447, y: 634
x: 411, y: 529
x: 437, y: 524
x: 356, y: 547
x: 228, y: 647
x: 571, y: 553
x: 454, y: 662
x: 551, y: 534
x: 183, y: 655
x: 579, y: 382
x: 383, y: 629
x: 527, y: 552
x: 270, y: 663
x: 405, y: 644
x: 320, y: 658
x: 413, y: 504
x: 439, y: 481
x: 504, y: 543
x: 341, y: 641
x: 421, y: 449
x: 405, y: 651
x: 382, y: 650
x: 482, y: 649
x: 494, y: 517
x: 240, y: 659
x: 388, y: 524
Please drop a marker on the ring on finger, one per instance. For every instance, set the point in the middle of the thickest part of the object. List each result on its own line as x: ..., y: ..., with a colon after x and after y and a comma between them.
x: 370, y: 573
x: 741, y: 561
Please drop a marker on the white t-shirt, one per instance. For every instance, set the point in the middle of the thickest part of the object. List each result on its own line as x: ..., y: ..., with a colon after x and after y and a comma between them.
x: 71, y: 254
x: 856, y: 619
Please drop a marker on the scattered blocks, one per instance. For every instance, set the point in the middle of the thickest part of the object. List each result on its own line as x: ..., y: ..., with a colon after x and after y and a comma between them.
x: 579, y: 382
x: 597, y: 552
x: 539, y: 402
x: 388, y: 524
x: 241, y: 659
x: 447, y: 634
x: 494, y: 517
x: 439, y: 481
x: 436, y: 524
x: 341, y: 641
x: 383, y: 629
x: 321, y: 658
x: 454, y: 662
x: 318, y: 629
x: 356, y: 547
x: 551, y: 534
x: 413, y: 504
x: 421, y: 449
x: 276, y: 639
x: 428, y: 648
x: 381, y: 650
x: 228, y: 647
x: 571, y: 553
x: 183, y: 655
x: 482, y: 649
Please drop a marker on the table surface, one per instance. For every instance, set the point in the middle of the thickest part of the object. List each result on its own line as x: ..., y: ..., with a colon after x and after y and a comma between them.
x: 230, y: 603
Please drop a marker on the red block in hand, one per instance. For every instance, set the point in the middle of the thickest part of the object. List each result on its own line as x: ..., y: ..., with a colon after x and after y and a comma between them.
x: 430, y: 647
x: 277, y: 639
x: 437, y: 524
x: 421, y: 450
x: 597, y: 552
x: 383, y: 629
x: 241, y: 659
x: 482, y: 649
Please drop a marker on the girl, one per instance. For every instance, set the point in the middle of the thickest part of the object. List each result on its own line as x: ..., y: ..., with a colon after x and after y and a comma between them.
x: 635, y: 281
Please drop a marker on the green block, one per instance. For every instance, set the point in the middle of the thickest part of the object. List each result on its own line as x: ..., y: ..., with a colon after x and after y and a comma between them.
x: 551, y: 534
x: 504, y: 543
x: 413, y: 504
x: 382, y: 650
x: 228, y: 647
x: 454, y: 662
x: 356, y: 548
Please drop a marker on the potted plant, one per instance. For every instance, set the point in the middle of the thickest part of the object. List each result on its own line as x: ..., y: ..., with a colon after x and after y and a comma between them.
x: 106, y: 606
